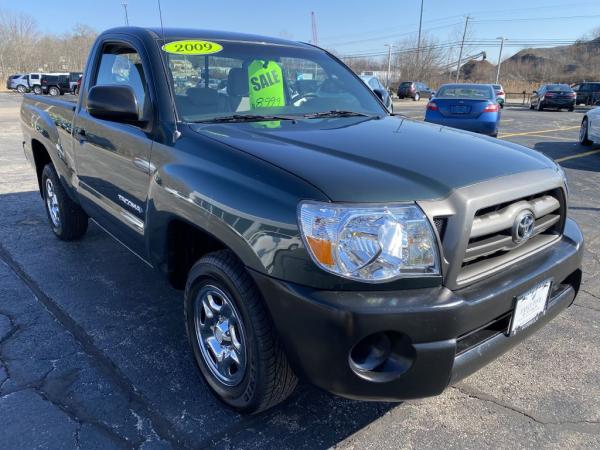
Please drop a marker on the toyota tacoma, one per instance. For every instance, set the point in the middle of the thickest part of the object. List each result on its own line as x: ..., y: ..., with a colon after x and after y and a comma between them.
x: 314, y: 234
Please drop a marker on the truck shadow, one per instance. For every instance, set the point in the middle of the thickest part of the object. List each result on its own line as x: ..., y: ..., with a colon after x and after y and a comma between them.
x: 135, y: 319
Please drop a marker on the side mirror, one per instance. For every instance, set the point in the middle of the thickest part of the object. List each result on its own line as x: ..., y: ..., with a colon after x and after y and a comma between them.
x: 379, y: 93
x: 113, y: 102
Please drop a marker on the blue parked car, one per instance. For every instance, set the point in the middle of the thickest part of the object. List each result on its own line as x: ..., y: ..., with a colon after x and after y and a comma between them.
x: 471, y: 107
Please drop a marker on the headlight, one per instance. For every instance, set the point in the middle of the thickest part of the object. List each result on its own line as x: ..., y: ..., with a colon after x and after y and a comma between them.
x: 370, y: 244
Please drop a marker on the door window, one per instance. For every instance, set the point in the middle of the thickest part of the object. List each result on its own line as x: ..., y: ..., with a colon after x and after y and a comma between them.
x: 122, y: 66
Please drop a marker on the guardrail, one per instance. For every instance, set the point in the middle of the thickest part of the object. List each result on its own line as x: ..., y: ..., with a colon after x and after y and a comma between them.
x: 521, y: 98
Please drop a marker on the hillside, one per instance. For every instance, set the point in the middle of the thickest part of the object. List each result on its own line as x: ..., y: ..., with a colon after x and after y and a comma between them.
x: 567, y: 63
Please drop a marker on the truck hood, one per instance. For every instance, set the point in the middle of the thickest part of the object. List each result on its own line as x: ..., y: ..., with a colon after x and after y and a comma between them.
x: 391, y: 159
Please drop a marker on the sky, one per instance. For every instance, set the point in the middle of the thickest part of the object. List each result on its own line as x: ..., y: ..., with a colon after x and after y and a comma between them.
x: 348, y: 26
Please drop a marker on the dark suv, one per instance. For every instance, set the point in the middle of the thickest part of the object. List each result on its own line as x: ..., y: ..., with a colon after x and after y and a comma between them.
x: 414, y: 90
x: 55, y: 84
x: 588, y: 93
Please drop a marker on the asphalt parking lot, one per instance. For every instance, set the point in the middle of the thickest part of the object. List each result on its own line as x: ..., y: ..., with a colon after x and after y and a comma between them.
x: 93, y: 352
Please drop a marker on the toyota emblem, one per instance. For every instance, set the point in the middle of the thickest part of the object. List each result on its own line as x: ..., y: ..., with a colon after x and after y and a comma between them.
x: 522, y: 229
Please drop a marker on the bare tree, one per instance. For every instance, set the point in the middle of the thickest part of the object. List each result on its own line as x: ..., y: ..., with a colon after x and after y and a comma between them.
x: 24, y: 49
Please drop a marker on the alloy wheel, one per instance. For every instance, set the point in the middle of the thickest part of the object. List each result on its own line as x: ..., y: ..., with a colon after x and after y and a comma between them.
x: 52, y: 203
x: 583, y: 131
x: 220, y: 335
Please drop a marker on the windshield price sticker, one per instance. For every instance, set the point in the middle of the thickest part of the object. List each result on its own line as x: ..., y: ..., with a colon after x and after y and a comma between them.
x: 265, y: 82
x: 190, y: 47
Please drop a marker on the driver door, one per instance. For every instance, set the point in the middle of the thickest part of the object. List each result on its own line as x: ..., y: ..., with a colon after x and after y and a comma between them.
x: 113, y: 159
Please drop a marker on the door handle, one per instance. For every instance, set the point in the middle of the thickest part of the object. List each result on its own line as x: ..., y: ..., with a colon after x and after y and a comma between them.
x: 144, y: 165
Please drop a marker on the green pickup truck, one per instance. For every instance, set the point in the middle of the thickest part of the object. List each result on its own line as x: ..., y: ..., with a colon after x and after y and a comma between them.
x: 314, y: 234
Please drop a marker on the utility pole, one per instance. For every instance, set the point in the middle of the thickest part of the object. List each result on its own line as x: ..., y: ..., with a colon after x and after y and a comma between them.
x: 387, y: 80
x: 462, y: 44
x: 126, y: 16
x: 419, y: 37
x: 502, y: 39
x: 313, y: 19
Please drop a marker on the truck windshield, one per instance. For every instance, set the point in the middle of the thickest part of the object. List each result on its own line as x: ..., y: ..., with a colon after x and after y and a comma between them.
x: 244, y: 78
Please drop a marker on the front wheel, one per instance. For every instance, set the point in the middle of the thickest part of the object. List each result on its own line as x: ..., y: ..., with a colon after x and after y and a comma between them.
x: 583, y: 133
x: 67, y: 220
x: 417, y: 97
x: 232, y: 335
x: 37, y: 90
x: 21, y: 89
x: 540, y: 107
x: 54, y: 91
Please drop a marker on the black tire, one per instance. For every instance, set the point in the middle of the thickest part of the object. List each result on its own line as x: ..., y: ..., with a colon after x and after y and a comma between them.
x: 72, y: 221
x: 267, y: 378
x: 571, y: 109
x: 54, y: 91
x: 540, y: 107
x: 531, y: 106
x: 583, y: 133
x: 417, y: 97
x: 37, y: 90
x: 21, y: 89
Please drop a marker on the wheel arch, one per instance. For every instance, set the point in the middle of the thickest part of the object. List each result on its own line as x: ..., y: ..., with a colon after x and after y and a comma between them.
x: 41, y: 157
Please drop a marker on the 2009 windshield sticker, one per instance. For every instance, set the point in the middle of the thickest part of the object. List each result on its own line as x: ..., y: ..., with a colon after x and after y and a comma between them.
x: 191, y: 47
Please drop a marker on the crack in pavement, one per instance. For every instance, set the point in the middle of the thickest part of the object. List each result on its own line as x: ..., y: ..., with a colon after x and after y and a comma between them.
x: 161, y: 426
x: 482, y: 396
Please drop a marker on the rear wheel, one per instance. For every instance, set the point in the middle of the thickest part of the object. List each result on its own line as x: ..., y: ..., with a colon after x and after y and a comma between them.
x: 417, y: 97
x: 67, y: 220
x: 37, y: 90
x: 232, y: 335
x: 540, y: 107
x: 583, y: 133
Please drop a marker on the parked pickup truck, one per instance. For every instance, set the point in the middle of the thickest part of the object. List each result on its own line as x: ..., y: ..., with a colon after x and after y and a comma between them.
x: 314, y: 234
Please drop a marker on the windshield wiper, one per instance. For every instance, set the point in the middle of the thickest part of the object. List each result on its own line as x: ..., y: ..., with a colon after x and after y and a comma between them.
x: 244, y: 118
x: 336, y: 113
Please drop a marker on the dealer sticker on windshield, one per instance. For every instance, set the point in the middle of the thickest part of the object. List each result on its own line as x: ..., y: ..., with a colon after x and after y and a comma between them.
x: 191, y: 47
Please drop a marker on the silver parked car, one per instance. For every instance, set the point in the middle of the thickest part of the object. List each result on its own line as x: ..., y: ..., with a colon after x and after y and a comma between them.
x: 18, y: 82
x: 376, y: 86
x: 589, y: 132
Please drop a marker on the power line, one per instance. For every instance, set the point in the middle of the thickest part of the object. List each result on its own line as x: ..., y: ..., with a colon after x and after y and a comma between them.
x: 384, y: 37
x: 535, y: 19
x: 473, y: 42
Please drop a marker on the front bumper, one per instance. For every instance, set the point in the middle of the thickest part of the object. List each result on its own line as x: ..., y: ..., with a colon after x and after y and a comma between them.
x: 428, y: 328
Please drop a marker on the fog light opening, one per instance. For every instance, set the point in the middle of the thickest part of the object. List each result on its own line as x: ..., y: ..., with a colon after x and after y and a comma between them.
x: 382, y: 356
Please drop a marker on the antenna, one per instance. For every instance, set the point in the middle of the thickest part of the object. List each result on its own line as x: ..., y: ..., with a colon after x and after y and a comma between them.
x: 162, y: 28
x: 125, y: 8
x: 313, y: 19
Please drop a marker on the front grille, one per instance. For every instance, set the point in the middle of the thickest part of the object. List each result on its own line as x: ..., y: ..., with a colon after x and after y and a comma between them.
x: 491, y: 244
